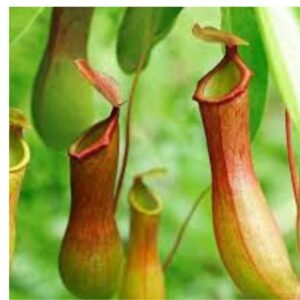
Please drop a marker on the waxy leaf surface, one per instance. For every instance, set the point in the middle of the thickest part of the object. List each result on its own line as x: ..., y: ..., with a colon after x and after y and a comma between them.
x: 141, y: 29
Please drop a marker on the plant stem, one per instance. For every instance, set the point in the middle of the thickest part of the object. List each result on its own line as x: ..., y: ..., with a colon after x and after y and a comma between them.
x: 292, y: 157
x: 293, y: 170
x: 182, y: 229
x: 128, y: 127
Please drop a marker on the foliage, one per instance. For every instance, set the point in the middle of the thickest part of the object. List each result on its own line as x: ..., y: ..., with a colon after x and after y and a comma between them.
x: 280, y: 28
x: 153, y: 24
x: 25, y: 51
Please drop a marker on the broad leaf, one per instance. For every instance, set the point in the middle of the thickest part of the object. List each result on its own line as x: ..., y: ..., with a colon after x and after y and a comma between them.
x: 21, y: 21
x: 25, y: 51
x: 280, y: 28
x: 141, y: 29
x: 242, y: 22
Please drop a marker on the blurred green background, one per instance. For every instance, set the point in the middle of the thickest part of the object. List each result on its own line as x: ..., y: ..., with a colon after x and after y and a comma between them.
x: 167, y: 132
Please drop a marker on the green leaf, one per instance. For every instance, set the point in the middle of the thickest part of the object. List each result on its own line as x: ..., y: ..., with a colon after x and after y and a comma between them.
x: 141, y: 29
x: 242, y: 22
x: 21, y: 21
x: 280, y: 28
x: 25, y: 53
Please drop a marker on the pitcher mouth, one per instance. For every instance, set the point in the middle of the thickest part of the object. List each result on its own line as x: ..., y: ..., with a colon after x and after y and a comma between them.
x: 224, y: 82
x: 19, y: 152
x: 95, y: 138
x: 143, y: 200
x: 24, y: 157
